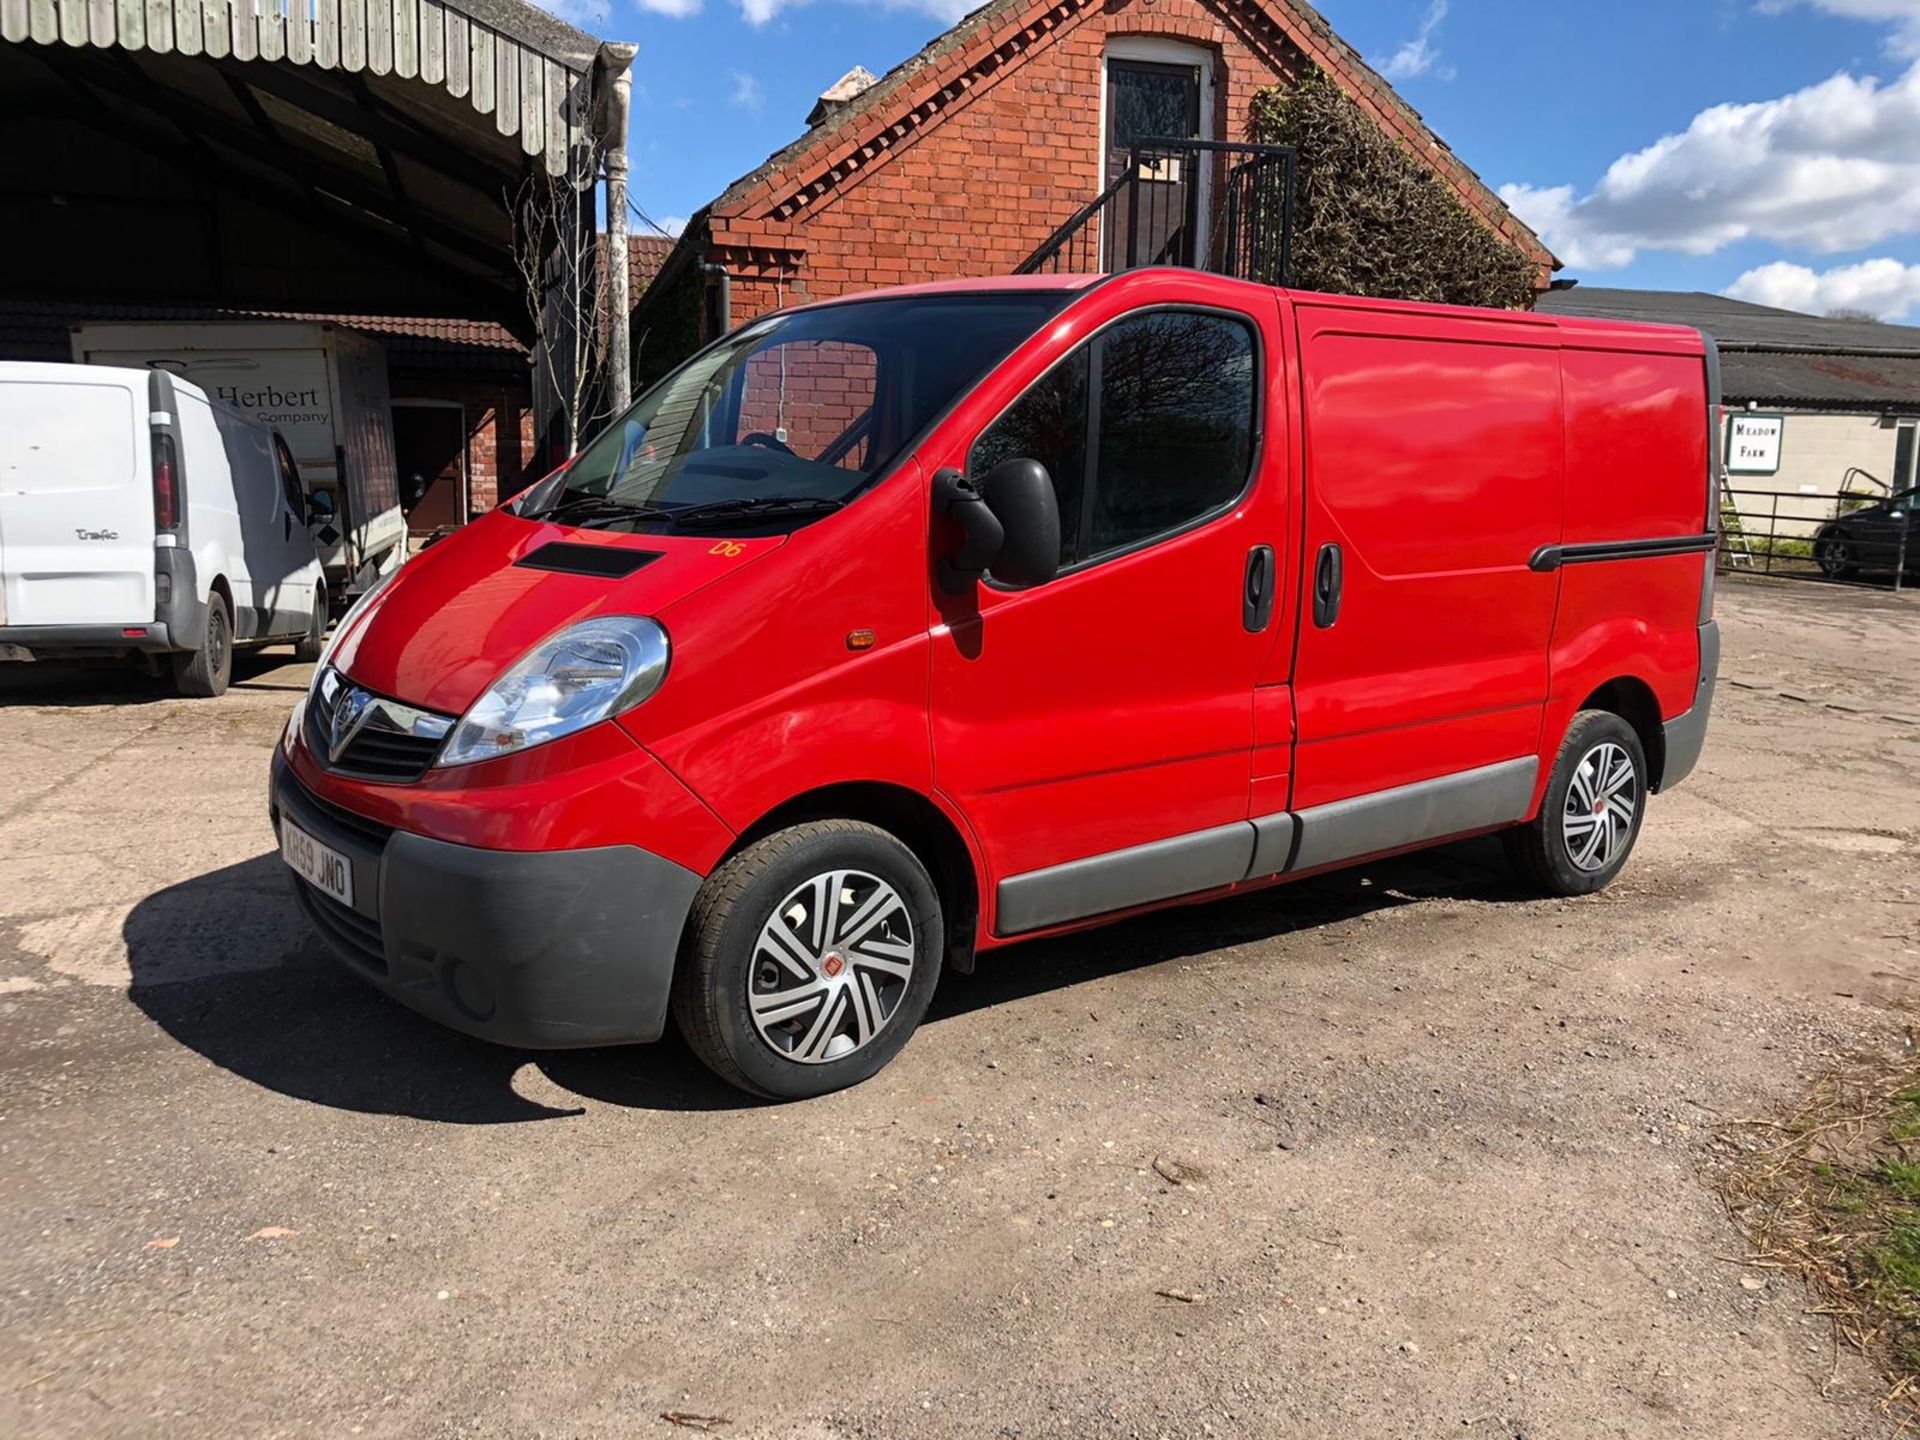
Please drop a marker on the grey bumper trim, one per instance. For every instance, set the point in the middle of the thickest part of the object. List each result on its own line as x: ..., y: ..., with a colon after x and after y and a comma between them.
x: 60, y: 639
x: 1686, y: 734
x: 543, y: 950
x: 1414, y: 814
x: 1257, y: 849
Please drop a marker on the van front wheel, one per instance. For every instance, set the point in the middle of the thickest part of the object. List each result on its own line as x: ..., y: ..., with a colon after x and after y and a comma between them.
x: 204, y: 672
x: 1590, y: 818
x: 309, y: 647
x: 810, y: 958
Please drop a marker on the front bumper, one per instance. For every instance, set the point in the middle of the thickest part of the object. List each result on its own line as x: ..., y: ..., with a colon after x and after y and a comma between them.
x: 541, y: 949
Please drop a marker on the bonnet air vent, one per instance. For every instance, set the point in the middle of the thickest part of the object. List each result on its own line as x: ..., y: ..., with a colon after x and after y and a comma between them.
x: 607, y: 562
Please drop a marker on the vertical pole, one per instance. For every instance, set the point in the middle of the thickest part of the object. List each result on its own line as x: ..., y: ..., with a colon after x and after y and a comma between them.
x: 614, y: 142
x: 1900, y: 560
x: 1133, y: 205
x: 1286, y: 224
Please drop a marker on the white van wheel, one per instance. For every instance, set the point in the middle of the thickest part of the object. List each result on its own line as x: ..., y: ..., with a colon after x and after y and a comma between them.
x: 204, y: 672
x: 307, y: 649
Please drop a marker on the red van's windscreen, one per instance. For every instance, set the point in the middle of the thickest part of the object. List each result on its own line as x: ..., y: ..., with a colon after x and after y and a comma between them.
x: 791, y: 417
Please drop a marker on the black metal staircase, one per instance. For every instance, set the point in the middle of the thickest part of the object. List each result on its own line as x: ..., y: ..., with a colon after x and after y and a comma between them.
x: 1204, y: 204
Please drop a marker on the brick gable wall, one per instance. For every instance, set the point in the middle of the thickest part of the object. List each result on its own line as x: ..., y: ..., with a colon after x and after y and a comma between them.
x: 979, y: 157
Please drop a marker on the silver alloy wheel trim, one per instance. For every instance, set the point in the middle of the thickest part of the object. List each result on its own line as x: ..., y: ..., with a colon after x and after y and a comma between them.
x: 830, y: 967
x: 1596, y: 822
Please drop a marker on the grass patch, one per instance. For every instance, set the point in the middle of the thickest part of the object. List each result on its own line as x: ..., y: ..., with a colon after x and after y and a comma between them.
x: 1830, y: 1192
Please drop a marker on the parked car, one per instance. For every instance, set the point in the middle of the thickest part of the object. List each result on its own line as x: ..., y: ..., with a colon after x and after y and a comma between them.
x: 895, y: 629
x: 140, y: 518
x: 1872, y: 538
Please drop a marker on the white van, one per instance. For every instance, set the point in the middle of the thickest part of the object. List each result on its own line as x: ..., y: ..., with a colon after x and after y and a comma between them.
x: 138, y: 517
x: 323, y: 388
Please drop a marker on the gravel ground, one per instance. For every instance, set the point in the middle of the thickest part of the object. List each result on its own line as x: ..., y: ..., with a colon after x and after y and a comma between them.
x: 1397, y: 1152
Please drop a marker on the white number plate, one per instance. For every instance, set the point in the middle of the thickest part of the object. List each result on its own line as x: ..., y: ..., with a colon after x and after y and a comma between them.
x: 326, y: 870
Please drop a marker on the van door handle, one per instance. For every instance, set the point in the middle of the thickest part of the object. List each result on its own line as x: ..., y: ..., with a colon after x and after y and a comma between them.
x: 1326, y: 587
x: 1256, y: 601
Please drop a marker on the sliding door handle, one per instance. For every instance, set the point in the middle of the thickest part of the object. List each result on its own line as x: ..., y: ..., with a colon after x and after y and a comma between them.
x: 1256, y: 599
x: 1326, y: 587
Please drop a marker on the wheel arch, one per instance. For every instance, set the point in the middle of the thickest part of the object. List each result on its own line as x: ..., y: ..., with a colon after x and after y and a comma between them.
x: 1633, y: 700
x: 920, y: 824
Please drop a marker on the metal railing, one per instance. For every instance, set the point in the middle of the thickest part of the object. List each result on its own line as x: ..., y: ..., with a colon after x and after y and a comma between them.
x: 1203, y: 204
x: 1756, y: 539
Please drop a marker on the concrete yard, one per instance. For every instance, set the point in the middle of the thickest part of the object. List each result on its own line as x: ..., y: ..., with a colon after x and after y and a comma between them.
x: 1446, y: 1148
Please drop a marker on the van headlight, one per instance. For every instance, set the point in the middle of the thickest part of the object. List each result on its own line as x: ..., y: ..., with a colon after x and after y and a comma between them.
x: 567, y: 682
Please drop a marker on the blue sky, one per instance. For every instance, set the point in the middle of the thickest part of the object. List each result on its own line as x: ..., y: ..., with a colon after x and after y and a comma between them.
x: 1768, y: 148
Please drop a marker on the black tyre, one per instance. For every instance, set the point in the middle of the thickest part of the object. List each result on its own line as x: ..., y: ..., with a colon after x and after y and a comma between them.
x: 204, y: 672
x: 1596, y: 799
x: 809, y: 959
x: 1835, y: 555
x: 308, y: 647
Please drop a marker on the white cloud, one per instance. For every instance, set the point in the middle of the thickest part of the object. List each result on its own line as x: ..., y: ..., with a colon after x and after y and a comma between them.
x: 1902, y: 15
x: 759, y: 12
x: 1887, y: 288
x: 673, y: 9
x: 1419, y: 56
x: 1831, y: 168
x: 671, y: 225
x: 747, y: 94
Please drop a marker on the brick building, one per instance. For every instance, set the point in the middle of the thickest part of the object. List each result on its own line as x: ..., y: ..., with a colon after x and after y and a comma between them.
x: 964, y: 159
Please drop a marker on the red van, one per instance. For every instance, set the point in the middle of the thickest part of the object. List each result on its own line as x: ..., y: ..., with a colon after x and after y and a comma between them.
x: 893, y: 629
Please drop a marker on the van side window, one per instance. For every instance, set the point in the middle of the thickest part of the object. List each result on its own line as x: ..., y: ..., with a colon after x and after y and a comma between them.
x: 1168, y: 397
x: 290, y: 479
x: 1049, y: 424
x: 1176, y: 424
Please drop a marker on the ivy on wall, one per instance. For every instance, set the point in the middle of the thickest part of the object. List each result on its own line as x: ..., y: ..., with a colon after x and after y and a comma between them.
x: 1370, y: 219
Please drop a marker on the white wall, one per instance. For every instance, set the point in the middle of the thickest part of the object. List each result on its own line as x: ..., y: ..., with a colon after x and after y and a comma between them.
x: 1816, y: 453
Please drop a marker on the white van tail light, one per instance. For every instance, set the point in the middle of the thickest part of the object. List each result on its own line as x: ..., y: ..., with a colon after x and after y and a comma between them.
x: 166, y: 481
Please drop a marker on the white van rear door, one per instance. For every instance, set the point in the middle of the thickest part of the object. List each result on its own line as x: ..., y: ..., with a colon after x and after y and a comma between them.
x: 76, y: 505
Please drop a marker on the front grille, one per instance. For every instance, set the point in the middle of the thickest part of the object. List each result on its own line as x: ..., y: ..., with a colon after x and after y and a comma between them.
x: 377, y: 750
x: 357, y: 936
x: 369, y: 830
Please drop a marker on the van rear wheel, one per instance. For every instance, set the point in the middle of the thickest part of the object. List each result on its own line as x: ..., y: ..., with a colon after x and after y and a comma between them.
x: 204, y: 672
x: 810, y: 958
x: 1590, y: 818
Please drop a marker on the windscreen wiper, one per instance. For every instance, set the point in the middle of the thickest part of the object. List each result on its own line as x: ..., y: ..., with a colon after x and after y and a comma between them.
x: 586, y: 507
x: 758, y: 507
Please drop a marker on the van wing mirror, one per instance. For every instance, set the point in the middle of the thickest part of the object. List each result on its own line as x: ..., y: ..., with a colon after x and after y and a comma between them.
x: 982, y: 534
x: 1020, y: 494
x: 319, y: 506
x: 1009, y: 522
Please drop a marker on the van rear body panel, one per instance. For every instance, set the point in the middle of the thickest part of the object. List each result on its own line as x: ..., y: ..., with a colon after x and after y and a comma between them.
x: 76, y: 501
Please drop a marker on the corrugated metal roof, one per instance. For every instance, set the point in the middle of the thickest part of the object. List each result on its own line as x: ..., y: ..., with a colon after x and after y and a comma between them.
x: 1770, y: 356
x: 1875, y: 382
x: 1733, y: 322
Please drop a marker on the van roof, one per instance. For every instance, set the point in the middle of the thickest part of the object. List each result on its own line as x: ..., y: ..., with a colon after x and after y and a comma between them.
x: 1580, y: 330
x: 45, y: 372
